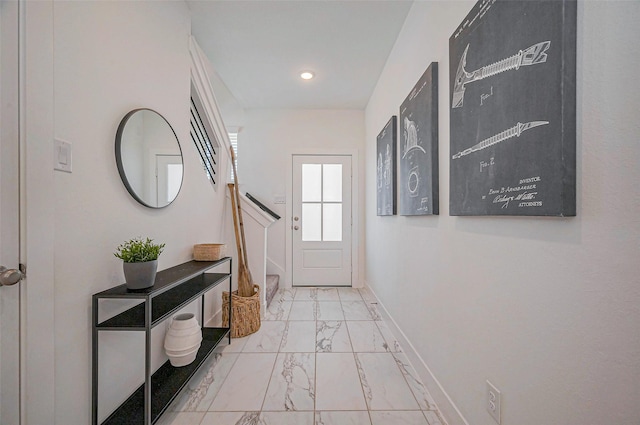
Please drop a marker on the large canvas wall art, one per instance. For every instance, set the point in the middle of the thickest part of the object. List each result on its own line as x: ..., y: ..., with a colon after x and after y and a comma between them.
x: 513, y: 109
x: 386, y: 168
x: 418, y: 163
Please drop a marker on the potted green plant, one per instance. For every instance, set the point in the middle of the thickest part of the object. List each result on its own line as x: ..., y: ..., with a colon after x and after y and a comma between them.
x: 140, y: 262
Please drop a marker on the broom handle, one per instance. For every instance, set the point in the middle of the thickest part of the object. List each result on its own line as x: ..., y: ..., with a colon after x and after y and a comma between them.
x: 235, y: 226
x: 239, y: 207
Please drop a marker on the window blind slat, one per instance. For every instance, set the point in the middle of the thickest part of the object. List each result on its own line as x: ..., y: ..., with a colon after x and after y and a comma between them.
x: 206, y: 149
x: 198, y: 128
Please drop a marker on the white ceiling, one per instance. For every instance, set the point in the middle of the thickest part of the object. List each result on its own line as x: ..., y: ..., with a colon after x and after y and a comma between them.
x: 259, y: 48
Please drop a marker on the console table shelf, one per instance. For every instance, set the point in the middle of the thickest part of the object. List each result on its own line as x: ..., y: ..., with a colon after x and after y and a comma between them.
x: 166, y: 384
x: 174, y: 288
x: 164, y: 303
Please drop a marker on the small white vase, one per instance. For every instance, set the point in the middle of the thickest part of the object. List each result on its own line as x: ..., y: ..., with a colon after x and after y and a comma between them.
x: 183, y: 339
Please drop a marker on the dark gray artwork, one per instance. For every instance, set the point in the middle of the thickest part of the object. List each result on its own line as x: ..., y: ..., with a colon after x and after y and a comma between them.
x: 513, y: 109
x: 418, y: 179
x: 386, y: 168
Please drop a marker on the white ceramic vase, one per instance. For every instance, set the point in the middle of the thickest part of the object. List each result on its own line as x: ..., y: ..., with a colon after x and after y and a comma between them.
x: 183, y: 339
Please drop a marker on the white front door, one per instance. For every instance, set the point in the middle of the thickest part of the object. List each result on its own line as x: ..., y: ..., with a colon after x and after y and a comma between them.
x: 9, y: 222
x: 321, y: 209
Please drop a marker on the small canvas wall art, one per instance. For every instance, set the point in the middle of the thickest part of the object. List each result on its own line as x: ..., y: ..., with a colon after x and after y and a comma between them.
x: 513, y: 109
x: 386, y: 168
x: 418, y: 179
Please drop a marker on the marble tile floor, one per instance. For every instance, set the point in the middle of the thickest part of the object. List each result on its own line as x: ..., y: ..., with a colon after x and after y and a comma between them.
x: 323, y: 356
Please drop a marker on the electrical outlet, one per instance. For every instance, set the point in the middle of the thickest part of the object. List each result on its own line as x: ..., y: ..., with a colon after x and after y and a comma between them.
x: 493, y: 401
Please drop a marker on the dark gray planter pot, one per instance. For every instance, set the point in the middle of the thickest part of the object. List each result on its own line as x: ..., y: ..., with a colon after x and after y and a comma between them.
x: 140, y: 275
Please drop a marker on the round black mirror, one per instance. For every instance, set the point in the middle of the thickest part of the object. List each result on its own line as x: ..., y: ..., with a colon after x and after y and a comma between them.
x: 149, y: 158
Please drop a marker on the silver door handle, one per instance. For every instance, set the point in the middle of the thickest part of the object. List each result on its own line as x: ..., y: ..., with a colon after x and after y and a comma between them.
x: 295, y: 227
x: 295, y: 219
x: 9, y: 277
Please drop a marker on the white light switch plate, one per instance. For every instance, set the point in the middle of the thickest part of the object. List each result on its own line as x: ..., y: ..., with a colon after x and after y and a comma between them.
x: 61, y: 155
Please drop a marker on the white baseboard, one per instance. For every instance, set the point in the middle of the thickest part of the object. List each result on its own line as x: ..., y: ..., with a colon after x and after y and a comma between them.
x: 215, y: 320
x: 446, y: 406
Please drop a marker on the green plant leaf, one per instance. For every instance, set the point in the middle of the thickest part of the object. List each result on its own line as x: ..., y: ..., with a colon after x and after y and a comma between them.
x: 139, y: 250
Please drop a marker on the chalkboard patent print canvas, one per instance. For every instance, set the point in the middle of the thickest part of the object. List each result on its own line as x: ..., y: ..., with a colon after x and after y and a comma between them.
x: 512, y: 70
x: 386, y: 168
x: 418, y: 179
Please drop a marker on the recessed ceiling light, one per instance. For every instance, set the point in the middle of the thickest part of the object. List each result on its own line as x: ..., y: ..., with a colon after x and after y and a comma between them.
x: 307, y: 75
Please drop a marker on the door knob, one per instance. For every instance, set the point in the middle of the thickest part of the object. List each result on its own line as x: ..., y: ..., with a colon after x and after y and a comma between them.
x: 295, y: 227
x: 9, y: 277
x: 295, y: 219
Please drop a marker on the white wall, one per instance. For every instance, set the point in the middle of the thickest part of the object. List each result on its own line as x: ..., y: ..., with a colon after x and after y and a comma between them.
x: 110, y: 58
x: 545, y: 308
x: 265, y: 146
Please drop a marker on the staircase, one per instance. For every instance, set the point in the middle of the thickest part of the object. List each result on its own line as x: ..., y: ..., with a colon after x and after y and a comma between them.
x: 256, y: 223
x: 272, y: 284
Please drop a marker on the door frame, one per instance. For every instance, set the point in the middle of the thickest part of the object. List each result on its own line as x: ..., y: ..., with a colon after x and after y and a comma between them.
x: 37, y: 217
x: 10, y: 296
x: 355, y: 211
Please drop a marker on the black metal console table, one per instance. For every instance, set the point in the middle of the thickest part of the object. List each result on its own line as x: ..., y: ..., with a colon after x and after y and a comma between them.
x: 174, y: 288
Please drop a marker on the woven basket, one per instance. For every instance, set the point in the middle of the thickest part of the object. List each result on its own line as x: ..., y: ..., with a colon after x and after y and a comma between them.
x: 245, y: 313
x: 209, y: 251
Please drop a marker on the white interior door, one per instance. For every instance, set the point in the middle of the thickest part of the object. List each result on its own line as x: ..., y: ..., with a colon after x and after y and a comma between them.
x: 9, y: 221
x: 322, y: 222
x: 169, y: 178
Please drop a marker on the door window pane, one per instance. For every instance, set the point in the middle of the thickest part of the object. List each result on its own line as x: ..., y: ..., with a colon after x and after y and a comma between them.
x: 311, y: 182
x: 332, y: 222
x: 332, y: 183
x: 311, y: 222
